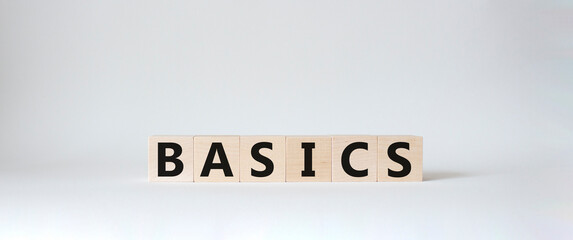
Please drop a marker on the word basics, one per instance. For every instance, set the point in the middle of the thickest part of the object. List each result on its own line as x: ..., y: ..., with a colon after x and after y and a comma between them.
x: 285, y: 158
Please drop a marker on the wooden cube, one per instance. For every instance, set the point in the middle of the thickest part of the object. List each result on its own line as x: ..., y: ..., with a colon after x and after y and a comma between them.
x: 170, y: 158
x: 309, y: 159
x: 354, y: 158
x: 262, y: 159
x: 216, y: 158
x: 399, y: 158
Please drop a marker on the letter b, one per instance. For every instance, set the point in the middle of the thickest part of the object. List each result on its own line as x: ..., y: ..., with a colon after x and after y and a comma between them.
x: 162, y: 159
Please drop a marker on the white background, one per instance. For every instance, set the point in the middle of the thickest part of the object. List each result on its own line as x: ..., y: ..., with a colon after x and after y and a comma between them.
x: 489, y: 84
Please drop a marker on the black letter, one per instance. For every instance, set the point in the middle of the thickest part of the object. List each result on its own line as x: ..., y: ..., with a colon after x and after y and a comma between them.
x: 307, y: 172
x: 162, y: 159
x: 269, y: 167
x: 346, y: 159
x: 406, y: 167
x: 216, y: 147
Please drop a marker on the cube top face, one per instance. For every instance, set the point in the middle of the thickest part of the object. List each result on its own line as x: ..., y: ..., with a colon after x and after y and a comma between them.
x: 170, y: 158
x: 262, y: 159
x: 354, y: 158
x: 400, y: 158
x: 216, y: 158
x: 308, y: 159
